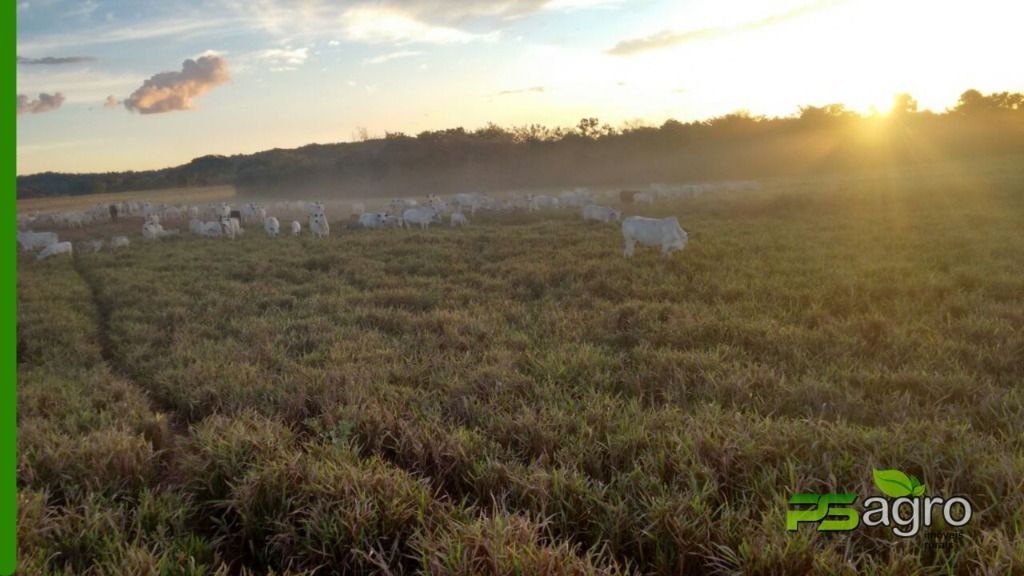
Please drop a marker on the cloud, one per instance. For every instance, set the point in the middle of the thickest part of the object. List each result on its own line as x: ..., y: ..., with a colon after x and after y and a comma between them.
x: 111, y: 102
x: 532, y: 89
x: 670, y: 38
x: 174, y: 91
x: 113, y: 34
x: 283, y: 59
x: 383, y: 24
x: 45, y: 103
x: 392, y: 56
x: 80, y: 85
x: 447, y: 12
x: 54, y: 60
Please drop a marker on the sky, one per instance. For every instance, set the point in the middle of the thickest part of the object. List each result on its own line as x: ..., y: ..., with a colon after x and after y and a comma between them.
x: 107, y: 85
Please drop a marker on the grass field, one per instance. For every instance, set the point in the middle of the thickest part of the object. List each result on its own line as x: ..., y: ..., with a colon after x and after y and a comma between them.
x: 517, y: 398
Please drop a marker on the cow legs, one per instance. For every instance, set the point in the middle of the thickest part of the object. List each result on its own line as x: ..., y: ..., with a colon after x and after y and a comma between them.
x: 630, y: 247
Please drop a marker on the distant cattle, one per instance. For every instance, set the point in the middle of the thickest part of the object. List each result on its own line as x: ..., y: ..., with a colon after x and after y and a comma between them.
x: 272, y: 226
x: 230, y: 227
x: 35, y: 240
x: 601, y: 213
x: 208, y: 229
x: 421, y: 217
x: 470, y: 201
x: 437, y: 203
x: 644, y: 197
x: 296, y: 228
x: 372, y: 219
x: 538, y: 203
x: 458, y: 219
x: 318, y: 225
x: 664, y: 232
x: 152, y: 230
x: 119, y: 242
x: 54, y: 250
x: 400, y: 205
x: 576, y: 198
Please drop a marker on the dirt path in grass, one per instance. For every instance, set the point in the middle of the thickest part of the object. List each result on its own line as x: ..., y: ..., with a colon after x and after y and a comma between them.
x: 103, y: 309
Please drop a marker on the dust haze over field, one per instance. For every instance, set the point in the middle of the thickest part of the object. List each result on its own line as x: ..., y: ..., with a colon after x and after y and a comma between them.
x: 571, y: 287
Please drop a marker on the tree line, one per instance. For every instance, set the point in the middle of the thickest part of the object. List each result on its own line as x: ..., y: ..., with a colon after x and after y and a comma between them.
x: 818, y: 139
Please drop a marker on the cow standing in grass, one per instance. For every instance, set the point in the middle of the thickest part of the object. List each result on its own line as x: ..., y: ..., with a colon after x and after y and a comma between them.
x: 664, y: 232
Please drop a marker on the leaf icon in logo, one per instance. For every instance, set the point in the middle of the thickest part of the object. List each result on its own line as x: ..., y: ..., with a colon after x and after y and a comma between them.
x: 894, y: 484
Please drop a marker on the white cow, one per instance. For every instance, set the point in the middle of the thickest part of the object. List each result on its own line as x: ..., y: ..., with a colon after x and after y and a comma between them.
x: 272, y: 226
x: 36, y: 240
x: 459, y: 219
x: 55, y: 249
x: 576, y: 198
x: 419, y: 216
x: 230, y: 227
x: 644, y: 197
x: 151, y: 229
x: 318, y: 225
x: 437, y: 203
x: 601, y: 213
x: 208, y: 229
x: 296, y: 228
x: 372, y: 219
x: 664, y: 232
x: 538, y: 203
x: 315, y: 208
x: 253, y: 212
x: 119, y: 242
x: 220, y: 210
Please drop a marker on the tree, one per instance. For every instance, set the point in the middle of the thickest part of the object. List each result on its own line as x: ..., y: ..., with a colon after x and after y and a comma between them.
x: 904, y: 104
x: 588, y: 127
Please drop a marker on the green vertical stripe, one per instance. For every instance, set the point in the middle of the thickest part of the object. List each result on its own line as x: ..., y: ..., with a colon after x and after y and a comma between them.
x: 8, y: 446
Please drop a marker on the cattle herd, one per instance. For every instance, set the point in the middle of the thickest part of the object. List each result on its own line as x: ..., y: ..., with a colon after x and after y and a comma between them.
x: 220, y: 220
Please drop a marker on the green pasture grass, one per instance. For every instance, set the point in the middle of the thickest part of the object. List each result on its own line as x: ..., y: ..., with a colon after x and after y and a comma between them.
x: 518, y: 398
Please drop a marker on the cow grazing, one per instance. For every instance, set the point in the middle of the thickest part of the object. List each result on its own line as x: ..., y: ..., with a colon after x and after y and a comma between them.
x: 296, y: 228
x: 119, y: 242
x: 55, y: 249
x: 35, y: 240
x: 418, y: 216
x: 459, y: 219
x: 272, y: 226
x: 664, y: 232
x: 318, y: 225
x: 601, y: 213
